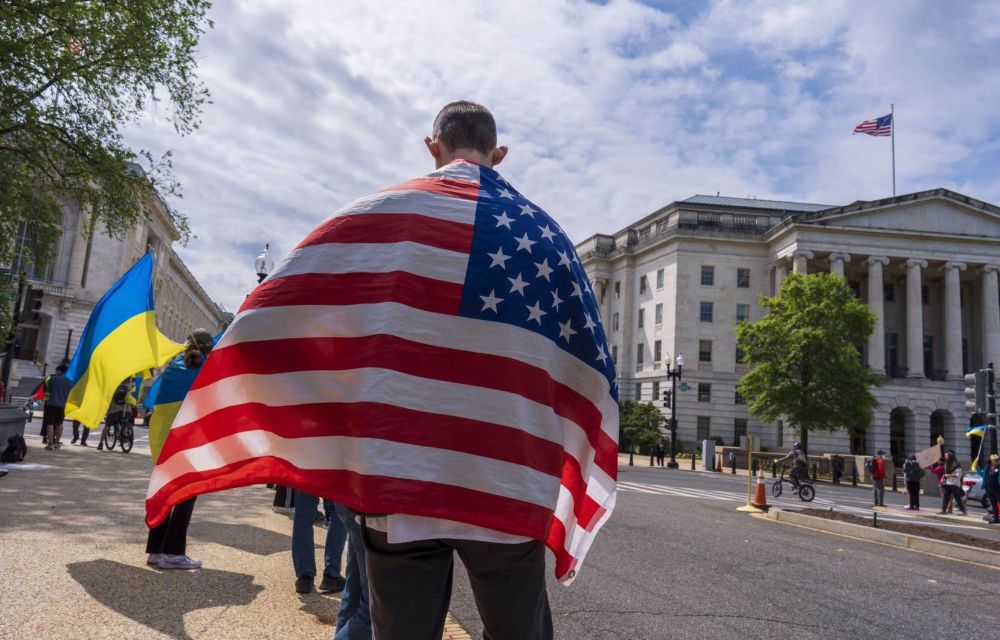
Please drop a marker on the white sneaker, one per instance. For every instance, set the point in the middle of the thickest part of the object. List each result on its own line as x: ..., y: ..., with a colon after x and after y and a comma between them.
x: 168, y: 561
x: 154, y: 558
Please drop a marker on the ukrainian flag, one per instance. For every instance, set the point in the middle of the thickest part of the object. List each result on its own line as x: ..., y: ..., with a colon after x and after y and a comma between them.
x: 165, y: 398
x: 975, y: 431
x: 120, y: 339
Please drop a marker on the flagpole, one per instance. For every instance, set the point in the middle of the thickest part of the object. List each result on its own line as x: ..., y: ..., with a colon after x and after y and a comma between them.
x: 892, y: 133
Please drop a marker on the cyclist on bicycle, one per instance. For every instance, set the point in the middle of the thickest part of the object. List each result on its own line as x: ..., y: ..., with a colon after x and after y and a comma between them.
x: 799, y: 463
x: 115, y: 414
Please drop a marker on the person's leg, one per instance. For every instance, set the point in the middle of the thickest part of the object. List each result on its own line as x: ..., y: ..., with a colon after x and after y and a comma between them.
x: 409, y: 586
x: 83, y: 438
x: 508, y: 582
x: 354, y: 618
x: 336, y: 539
x: 76, y: 432
x: 793, y: 477
x: 303, y: 542
x: 60, y: 416
x: 175, y: 536
x: 154, y: 539
x: 959, y: 499
x: 50, y: 431
x: 994, y: 499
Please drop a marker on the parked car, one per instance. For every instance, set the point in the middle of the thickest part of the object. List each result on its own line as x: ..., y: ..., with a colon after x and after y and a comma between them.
x: 972, y: 483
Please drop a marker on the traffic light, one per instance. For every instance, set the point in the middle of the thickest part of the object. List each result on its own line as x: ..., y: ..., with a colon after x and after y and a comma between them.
x: 668, y: 396
x: 975, y: 392
x: 34, y: 305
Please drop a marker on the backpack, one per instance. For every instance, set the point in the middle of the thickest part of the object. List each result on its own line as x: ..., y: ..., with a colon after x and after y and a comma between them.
x: 16, y: 449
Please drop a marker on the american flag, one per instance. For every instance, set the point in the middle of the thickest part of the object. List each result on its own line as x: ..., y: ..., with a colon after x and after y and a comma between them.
x: 877, y: 127
x: 433, y: 349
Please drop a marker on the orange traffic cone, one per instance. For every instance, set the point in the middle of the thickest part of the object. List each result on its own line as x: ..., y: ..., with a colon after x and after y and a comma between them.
x: 760, y: 495
x: 718, y: 464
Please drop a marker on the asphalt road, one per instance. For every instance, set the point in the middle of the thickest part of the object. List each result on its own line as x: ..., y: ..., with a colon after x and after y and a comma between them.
x: 675, y: 566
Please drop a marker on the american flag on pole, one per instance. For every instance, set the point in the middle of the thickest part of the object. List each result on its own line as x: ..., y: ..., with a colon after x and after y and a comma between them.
x: 433, y: 349
x: 877, y: 127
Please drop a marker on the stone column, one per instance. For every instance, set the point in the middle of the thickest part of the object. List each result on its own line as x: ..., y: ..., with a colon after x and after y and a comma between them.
x: 991, y: 316
x: 837, y: 261
x: 876, y: 300
x: 953, y: 320
x: 914, y: 319
x: 800, y: 261
x: 780, y: 272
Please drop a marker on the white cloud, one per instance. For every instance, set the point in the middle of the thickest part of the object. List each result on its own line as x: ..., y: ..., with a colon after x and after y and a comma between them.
x: 610, y: 110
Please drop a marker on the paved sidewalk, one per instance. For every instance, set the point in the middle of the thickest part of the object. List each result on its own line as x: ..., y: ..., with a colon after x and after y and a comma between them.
x: 73, y: 561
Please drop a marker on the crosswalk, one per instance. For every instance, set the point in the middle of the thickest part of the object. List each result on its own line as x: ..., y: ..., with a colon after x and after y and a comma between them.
x: 728, y: 496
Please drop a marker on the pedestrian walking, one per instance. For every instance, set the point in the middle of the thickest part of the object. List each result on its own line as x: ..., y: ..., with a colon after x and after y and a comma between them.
x: 77, y: 435
x: 876, y: 469
x: 991, y: 485
x: 304, y: 545
x: 57, y: 388
x: 837, y: 468
x: 951, y: 484
x: 913, y: 474
x: 659, y: 453
x: 354, y: 621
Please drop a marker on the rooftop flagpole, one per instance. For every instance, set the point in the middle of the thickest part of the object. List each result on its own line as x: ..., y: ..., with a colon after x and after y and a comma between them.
x: 892, y: 133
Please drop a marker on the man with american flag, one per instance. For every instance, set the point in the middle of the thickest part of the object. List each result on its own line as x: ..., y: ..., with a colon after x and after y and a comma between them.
x: 432, y: 357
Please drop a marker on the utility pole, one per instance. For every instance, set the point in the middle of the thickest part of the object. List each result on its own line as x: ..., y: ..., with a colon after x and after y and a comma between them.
x: 10, y: 342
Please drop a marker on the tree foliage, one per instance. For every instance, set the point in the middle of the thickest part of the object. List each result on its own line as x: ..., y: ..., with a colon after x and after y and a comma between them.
x: 804, y: 358
x: 73, y: 73
x: 640, y: 423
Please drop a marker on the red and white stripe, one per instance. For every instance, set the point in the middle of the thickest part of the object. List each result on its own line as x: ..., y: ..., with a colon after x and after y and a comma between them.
x: 348, y: 374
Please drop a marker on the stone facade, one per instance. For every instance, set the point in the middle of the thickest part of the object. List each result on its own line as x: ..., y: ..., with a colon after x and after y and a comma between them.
x: 82, y: 270
x: 927, y: 263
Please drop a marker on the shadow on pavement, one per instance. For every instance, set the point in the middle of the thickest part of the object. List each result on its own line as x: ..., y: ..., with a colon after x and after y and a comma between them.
x: 159, y: 599
x: 322, y: 607
x: 245, y: 537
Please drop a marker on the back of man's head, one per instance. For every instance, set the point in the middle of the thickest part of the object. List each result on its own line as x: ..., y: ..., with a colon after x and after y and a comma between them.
x: 466, y: 125
x: 62, y: 368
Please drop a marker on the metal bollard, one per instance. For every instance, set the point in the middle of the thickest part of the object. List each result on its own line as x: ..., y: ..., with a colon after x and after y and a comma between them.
x: 692, y: 461
x: 814, y: 472
x: 774, y: 469
x: 895, y: 482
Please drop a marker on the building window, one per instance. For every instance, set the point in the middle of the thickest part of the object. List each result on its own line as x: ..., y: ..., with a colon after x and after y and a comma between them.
x: 614, y: 321
x: 739, y: 355
x: 657, y: 353
x: 924, y: 296
x: 781, y: 434
x: 739, y: 430
x: 614, y: 355
x: 642, y: 317
x: 618, y: 290
x: 656, y: 390
x: 638, y: 391
x: 889, y: 292
x: 707, y: 275
x: 742, y: 278
x: 640, y: 354
x: 704, y: 392
x: 643, y: 285
x: 705, y: 313
x: 704, y: 351
x: 739, y: 399
x: 929, y: 357
x: 855, y: 286
x: 742, y: 312
x: 659, y: 313
x: 659, y: 278
x: 704, y: 427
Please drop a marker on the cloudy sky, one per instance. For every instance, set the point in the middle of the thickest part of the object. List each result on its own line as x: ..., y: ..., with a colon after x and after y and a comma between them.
x: 610, y: 109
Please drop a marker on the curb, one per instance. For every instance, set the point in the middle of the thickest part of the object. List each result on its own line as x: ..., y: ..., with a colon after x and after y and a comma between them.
x: 892, y: 538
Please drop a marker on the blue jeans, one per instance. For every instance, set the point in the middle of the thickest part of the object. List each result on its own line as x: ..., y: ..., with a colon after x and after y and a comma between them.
x: 303, y: 543
x: 354, y: 619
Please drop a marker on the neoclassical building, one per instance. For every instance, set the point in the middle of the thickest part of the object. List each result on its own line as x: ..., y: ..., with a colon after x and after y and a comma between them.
x: 82, y: 269
x: 678, y: 280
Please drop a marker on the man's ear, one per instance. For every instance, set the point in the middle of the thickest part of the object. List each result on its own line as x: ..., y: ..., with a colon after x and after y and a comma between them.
x: 498, y: 155
x: 434, y: 147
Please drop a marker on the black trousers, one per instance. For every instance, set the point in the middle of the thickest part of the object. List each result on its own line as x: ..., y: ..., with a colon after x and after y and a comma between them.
x: 76, y: 432
x: 170, y: 536
x: 994, y: 499
x: 913, y: 489
x: 950, y: 491
x: 410, y: 587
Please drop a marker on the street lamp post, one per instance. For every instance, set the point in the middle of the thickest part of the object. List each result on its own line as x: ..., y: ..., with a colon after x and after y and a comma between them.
x: 674, y: 374
x: 263, y: 263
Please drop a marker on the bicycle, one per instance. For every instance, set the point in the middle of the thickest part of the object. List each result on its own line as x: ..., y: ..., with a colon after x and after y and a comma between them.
x: 126, y: 436
x: 805, y: 490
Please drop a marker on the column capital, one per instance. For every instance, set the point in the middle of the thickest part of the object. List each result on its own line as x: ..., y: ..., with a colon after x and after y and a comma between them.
x: 916, y: 262
x: 779, y: 262
x: 802, y: 253
x: 990, y: 268
x: 882, y: 260
x: 842, y: 257
x: 961, y: 266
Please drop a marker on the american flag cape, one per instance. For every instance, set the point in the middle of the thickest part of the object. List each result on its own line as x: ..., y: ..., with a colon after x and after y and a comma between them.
x: 433, y: 349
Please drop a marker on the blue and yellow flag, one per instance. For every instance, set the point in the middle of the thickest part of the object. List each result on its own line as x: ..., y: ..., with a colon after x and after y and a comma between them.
x: 975, y: 431
x: 165, y: 398
x: 120, y: 339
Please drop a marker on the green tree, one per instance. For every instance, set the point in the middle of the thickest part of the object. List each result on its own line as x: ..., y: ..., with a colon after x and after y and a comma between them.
x: 640, y: 423
x: 804, y: 357
x: 72, y: 74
